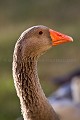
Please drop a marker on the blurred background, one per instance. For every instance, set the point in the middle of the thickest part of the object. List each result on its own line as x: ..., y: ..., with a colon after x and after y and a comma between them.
x: 18, y: 15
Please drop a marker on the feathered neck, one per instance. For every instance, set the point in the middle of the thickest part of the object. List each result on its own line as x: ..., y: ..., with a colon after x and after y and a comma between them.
x: 34, y: 104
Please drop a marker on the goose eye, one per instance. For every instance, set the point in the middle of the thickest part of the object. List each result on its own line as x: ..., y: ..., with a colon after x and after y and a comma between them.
x: 40, y: 32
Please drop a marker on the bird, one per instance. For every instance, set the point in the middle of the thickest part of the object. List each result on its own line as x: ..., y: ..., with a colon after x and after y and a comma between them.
x: 62, y: 95
x: 32, y: 43
x: 68, y: 107
x: 68, y: 87
x: 66, y: 100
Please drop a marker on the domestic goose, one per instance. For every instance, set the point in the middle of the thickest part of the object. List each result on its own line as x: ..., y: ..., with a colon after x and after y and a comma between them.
x: 66, y: 100
x: 32, y: 43
x: 68, y: 87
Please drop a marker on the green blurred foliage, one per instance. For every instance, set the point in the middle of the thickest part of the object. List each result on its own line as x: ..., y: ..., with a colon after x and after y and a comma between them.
x: 18, y: 15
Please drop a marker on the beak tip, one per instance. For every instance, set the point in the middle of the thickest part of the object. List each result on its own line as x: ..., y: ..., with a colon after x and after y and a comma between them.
x: 71, y: 39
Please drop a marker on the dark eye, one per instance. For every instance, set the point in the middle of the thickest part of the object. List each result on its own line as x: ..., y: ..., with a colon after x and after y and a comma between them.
x: 40, y: 32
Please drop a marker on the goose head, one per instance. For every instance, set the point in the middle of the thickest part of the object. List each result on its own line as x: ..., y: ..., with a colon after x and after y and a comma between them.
x: 38, y: 39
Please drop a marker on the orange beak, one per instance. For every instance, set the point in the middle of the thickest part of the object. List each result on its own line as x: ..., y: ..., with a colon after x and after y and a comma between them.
x: 59, y: 38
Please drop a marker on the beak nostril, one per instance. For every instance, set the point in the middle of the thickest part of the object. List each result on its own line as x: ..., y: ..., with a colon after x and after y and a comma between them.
x: 60, y: 35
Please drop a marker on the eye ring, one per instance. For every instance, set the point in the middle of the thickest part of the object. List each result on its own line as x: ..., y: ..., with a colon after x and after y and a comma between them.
x: 40, y: 32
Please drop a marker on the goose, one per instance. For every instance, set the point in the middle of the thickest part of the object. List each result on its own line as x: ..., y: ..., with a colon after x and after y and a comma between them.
x: 62, y: 95
x: 66, y: 100
x: 68, y: 87
x: 32, y: 43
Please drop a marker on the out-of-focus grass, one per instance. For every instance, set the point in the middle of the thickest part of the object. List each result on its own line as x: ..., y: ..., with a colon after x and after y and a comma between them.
x: 9, y: 104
